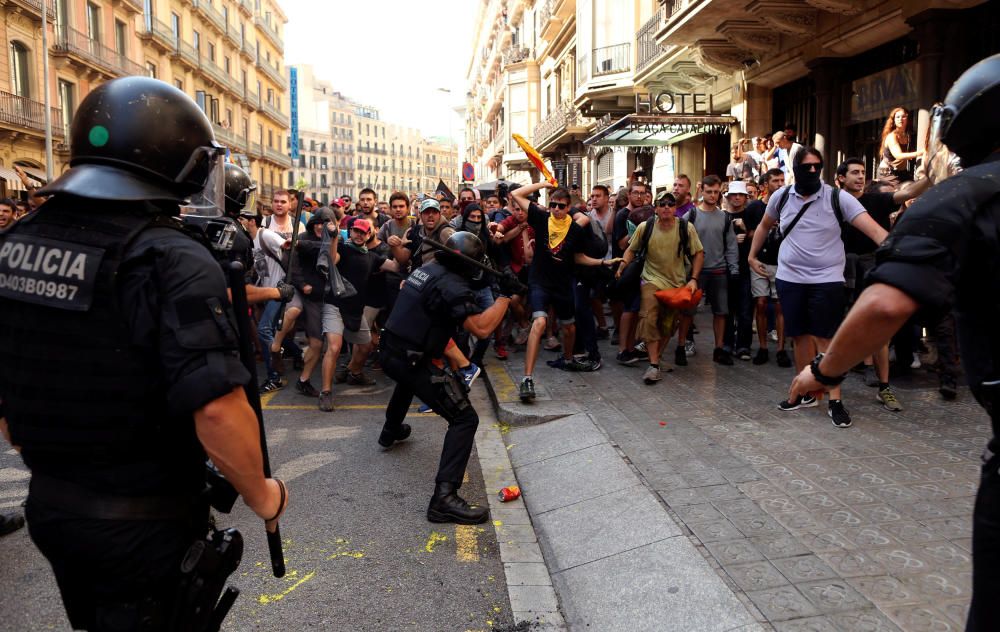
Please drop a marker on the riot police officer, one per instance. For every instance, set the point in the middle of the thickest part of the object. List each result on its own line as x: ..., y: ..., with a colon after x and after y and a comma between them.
x: 944, y: 252
x: 148, y: 379
x: 435, y: 300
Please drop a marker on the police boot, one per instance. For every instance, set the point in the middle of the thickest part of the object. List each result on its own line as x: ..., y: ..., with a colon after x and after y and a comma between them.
x: 388, y: 437
x: 447, y: 506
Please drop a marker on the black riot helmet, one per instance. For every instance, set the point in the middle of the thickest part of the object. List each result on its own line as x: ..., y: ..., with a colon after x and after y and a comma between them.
x: 468, y: 244
x: 967, y: 122
x: 138, y: 138
x: 240, y: 191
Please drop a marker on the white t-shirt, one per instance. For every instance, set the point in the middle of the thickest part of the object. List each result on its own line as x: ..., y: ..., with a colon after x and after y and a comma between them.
x: 813, y: 252
x: 267, y: 254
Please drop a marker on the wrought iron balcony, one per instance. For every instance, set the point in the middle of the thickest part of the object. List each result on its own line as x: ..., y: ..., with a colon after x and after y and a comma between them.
x: 647, y: 49
x: 273, y: 73
x: 74, y: 44
x: 514, y: 55
x: 159, y: 33
x: 186, y: 53
x: 274, y: 114
x: 34, y: 8
x: 556, y: 122
x: 27, y: 114
x: 270, y: 32
x: 211, y: 14
x: 610, y: 60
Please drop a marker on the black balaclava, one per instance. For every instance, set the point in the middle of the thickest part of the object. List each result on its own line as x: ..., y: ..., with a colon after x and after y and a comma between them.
x: 807, y: 182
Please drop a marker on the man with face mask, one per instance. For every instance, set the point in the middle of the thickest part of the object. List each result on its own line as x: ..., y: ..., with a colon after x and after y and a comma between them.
x: 810, y: 277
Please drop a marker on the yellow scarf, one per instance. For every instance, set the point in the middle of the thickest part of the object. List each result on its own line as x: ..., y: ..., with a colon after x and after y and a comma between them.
x: 558, y: 229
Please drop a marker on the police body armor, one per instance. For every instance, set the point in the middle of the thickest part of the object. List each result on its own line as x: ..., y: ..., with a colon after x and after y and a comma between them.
x: 419, y: 317
x: 84, y: 404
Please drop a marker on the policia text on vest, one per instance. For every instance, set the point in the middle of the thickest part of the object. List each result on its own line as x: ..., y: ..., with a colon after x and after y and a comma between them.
x: 49, y: 272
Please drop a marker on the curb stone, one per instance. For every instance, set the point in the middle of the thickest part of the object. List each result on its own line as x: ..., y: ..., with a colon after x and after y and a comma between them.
x: 533, y: 600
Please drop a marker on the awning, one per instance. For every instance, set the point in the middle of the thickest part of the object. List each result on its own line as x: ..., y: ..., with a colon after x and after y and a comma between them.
x: 644, y: 130
x: 10, y: 178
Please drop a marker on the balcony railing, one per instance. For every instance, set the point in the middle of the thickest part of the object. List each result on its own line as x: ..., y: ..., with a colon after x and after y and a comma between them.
x: 274, y: 113
x: 546, y: 13
x: 256, y: 150
x: 159, y: 32
x: 610, y: 60
x: 269, y: 32
x: 247, y: 48
x: 209, y: 11
x: 556, y: 122
x: 245, y: 6
x: 187, y: 53
x: 277, y: 157
x: 233, y: 35
x: 647, y: 50
x: 514, y: 55
x: 273, y: 73
x: 34, y: 7
x: 251, y: 99
x: 25, y: 113
x: 72, y: 42
x: 135, y: 5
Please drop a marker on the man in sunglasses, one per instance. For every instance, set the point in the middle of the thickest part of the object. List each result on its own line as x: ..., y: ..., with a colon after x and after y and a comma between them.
x: 558, y: 244
x: 810, y: 277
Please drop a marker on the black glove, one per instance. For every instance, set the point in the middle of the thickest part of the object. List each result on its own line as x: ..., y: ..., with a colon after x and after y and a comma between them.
x: 286, y: 291
x: 510, y: 285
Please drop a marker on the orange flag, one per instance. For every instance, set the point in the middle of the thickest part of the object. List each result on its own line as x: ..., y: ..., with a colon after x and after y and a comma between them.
x: 535, y: 158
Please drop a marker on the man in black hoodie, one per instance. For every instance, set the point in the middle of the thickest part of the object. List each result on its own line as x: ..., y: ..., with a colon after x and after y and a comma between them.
x: 309, y: 286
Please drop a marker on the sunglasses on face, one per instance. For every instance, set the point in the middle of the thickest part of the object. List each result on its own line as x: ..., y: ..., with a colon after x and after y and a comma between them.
x: 558, y: 205
x: 666, y: 203
x: 812, y: 166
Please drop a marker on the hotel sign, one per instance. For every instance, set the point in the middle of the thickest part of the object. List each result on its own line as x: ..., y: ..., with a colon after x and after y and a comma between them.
x: 692, y: 103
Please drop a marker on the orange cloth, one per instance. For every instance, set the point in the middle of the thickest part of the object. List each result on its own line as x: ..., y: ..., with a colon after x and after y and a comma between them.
x: 680, y: 297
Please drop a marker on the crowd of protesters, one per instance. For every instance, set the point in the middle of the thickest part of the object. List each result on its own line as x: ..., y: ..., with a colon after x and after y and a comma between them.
x: 573, y: 253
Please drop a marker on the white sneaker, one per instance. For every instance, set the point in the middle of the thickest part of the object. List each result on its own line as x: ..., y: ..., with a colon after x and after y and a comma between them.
x: 641, y: 346
x: 689, y: 349
x: 916, y: 361
x: 652, y: 375
x: 773, y: 335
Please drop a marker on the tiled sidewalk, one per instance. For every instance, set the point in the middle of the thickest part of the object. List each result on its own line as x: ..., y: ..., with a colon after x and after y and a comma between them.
x: 866, y: 528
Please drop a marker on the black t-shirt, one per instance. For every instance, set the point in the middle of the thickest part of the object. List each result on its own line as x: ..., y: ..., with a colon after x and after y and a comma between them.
x: 553, y: 270
x: 880, y: 206
x: 619, y: 230
x: 751, y: 215
x: 375, y: 296
x: 356, y: 267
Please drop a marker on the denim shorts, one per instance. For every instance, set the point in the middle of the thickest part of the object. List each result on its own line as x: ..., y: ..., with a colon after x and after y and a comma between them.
x: 540, y: 298
x: 811, y: 309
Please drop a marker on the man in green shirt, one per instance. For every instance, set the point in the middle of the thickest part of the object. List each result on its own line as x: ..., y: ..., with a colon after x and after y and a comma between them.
x: 664, y: 268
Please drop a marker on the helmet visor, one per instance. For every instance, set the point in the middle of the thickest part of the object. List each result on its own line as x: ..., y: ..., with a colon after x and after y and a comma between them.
x: 211, y: 200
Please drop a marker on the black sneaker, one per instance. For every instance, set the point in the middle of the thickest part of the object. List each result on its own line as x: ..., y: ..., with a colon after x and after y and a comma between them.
x: 306, y: 388
x: 9, y: 523
x: 761, y: 357
x: 841, y: 418
x: 782, y: 359
x: 722, y: 357
x: 807, y: 401
x: 560, y: 363
x: 743, y: 354
x: 386, y: 438
x: 360, y: 379
x: 270, y: 385
x: 582, y: 365
x: 680, y: 358
x: 340, y: 375
x: 326, y: 401
x: 527, y: 389
x: 628, y: 357
x: 948, y: 387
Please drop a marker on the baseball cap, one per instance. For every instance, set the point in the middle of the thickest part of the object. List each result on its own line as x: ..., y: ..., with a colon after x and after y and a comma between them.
x: 737, y: 186
x: 363, y: 225
x: 337, y: 203
x: 430, y: 204
x: 665, y: 197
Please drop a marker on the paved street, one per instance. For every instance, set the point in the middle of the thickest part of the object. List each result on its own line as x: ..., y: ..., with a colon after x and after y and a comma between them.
x: 360, y: 553
x: 812, y: 527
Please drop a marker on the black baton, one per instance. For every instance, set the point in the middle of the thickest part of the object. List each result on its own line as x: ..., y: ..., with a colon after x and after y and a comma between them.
x: 300, y: 199
x: 237, y: 285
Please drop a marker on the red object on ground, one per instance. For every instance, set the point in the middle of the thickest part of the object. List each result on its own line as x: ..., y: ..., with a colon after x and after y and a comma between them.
x: 663, y: 423
x: 507, y: 494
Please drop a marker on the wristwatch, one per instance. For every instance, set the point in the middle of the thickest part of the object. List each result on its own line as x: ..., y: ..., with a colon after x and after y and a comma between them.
x: 825, y: 380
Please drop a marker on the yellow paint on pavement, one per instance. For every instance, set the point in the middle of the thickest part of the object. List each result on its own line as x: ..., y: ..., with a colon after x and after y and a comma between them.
x: 266, y: 599
x: 266, y: 398
x: 466, y: 544
x: 503, y: 386
x: 434, y: 540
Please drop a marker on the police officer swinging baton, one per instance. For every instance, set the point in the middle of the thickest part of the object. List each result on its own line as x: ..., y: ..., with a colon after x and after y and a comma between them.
x: 464, y: 258
x: 237, y: 282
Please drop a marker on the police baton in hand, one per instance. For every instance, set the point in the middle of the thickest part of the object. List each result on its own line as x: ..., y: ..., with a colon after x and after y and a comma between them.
x: 469, y: 260
x: 300, y: 199
x: 237, y: 286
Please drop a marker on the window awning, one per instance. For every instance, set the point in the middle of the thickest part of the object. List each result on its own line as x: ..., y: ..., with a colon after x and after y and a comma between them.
x: 35, y: 174
x: 11, y: 178
x: 644, y: 130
